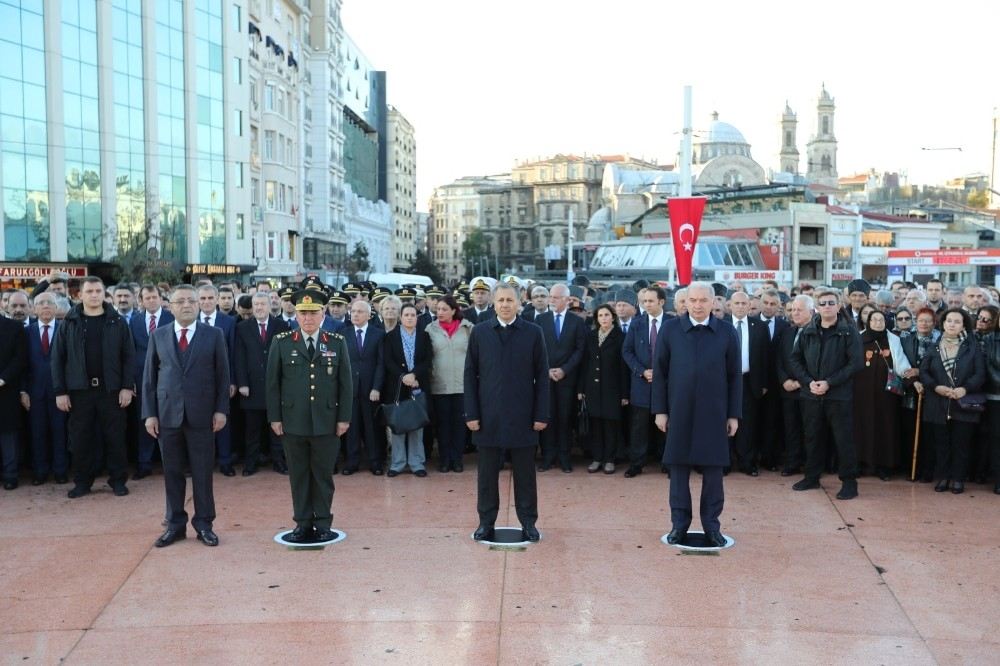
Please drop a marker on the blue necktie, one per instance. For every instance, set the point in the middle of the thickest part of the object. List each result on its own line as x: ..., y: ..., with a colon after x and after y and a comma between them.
x: 558, y: 326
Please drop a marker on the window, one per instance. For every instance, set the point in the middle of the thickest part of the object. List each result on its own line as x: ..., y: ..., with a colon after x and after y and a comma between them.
x: 268, y: 97
x: 289, y: 155
x: 280, y: 107
x: 281, y: 197
x: 270, y: 194
x: 268, y: 144
x: 281, y: 149
x: 237, y: 15
x: 238, y: 174
x: 271, y: 245
x: 253, y: 92
x: 240, y: 226
x: 255, y: 191
x: 237, y: 70
x: 238, y: 122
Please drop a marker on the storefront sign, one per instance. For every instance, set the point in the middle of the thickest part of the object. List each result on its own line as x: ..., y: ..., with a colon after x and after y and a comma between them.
x: 216, y: 269
x: 38, y: 271
x: 753, y: 276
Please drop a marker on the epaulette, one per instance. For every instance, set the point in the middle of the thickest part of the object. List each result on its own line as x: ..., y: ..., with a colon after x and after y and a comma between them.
x: 283, y: 334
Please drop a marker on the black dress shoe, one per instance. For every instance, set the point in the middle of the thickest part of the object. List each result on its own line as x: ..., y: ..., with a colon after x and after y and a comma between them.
x: 751, y: 470
x: 544, y: 468
x: 170, y: 536
x: 392, y: 474
x: 996, y: 489
x: 322, y: 536
x: 714, y: 539
x: 9, y: 485
x: 788, y: 471
x: 942, y: 486
x: 530, y: 533
x: 227, y: 470
x: 676, y: 536
x: 249, y: 471
x: 119, y: 489
x: 665, y: 469
x: 806, y: 484
x: 443, y: 469
x: 421, y: 473
x: 301, y: 535
x: 280, y: 468
x: 848, y: 490
x: 457, y: 467
x: 348, y: 471
x: 208, y: 537
x: 484, y: 533
x: 958, y: 487
x: 567, y: 469
x: 633, y: 470
x: 61, y: 479
x: 377, y: 471
x: 78, y: 491
x: 38, y: 480
x: 140, y: 474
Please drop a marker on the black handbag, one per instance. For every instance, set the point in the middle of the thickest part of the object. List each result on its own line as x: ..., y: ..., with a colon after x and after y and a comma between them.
x: 583, y: 418
x: 408, y: 415
x: 973, y: 402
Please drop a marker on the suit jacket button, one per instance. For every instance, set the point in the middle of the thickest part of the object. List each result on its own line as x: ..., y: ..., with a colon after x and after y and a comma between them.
x: 313, y: 388
x: 312, y: 376
x: 597, y: 380
x: 312, y: 397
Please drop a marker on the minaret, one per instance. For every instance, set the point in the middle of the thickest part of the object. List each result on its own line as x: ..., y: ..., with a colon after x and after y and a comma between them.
x: 789, y: 156
x: 822, y: 149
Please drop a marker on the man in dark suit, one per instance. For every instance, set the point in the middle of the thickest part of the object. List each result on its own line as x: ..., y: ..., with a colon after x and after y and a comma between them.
x: 481, y: 309
x: 186, y: 400
x: 153, y: 317
x: 794, y: 426
x: 770, y: 440
x: 253, y: 342
x: 565, y: 336
x: 506, y: 406
x: 364, y: 345
x: 13, y: 367
x: 210, y: 315
x: 638, y: 351
x: 754, y: 355
x: 538, y: 304
x: 697, y: 391
x: 310, y: 363
x: 48, y: 424
x: 287, y: 315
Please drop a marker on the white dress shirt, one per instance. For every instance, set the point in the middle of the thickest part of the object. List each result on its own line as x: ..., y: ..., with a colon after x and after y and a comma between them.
x: 744, y: 342
x: 190, y: 330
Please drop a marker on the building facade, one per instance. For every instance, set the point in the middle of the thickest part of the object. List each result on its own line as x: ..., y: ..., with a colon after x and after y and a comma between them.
x: 455, y: 213
x: 821, y: 151
x: 401, y: 186
x: 123, y: 132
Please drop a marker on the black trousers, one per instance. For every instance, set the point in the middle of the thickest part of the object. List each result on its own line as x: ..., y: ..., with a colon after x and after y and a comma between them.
x: 604, y: 434
x: 646, y: 439
x: 712, y: 497
x: 770, y: 426
x: 952, y: 443
x: 993, y: 420
x: 449, y: 414
x: 195, y: 448
x: 836, y: 417
x: 146, y: 444
x: 745, y: 441
x: 925, y: 447
x: 96, y: 409
x: 362, y: 434
x: 311, y: 459
x: 525, y: 491
x: 791, y: 411
x: 48, y: 437
x: 258, y: 431
x: 556, y: 437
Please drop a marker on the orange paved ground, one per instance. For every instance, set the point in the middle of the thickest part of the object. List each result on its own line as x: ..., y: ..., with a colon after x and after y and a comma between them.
x: 80, y: 580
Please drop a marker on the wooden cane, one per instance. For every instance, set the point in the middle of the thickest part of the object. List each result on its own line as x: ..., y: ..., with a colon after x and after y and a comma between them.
x: 916, y: 437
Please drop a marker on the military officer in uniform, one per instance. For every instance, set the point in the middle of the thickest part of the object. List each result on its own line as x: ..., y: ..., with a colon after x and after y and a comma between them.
x: 309, y: 400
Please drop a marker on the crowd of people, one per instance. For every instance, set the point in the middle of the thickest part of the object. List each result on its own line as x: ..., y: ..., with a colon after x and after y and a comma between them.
x: 897, y: 382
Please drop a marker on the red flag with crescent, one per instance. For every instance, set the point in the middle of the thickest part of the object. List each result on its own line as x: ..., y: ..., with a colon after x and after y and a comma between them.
x: 685, y: 223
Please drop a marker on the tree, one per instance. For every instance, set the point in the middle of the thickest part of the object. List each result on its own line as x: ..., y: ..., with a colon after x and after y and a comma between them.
x: 474, y: 250
x: 422, y: 265
x: 357, y: 261
x: 979, y: 199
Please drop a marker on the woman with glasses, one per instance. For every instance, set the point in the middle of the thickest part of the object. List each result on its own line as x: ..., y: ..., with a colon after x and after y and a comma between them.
x: 916, y: 346
x: 876, y: 410
x: 904, y: 323
x: 952, y: 370
x: 986, y: 320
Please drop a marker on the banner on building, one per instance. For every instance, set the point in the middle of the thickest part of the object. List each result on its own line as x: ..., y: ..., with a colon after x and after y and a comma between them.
x: 685, y: 223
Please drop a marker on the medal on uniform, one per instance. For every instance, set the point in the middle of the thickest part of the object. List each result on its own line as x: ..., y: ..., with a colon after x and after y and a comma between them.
x: 868, y: 358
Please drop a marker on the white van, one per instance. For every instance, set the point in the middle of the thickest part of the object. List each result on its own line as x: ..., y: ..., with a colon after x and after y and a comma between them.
x: 395, y: 280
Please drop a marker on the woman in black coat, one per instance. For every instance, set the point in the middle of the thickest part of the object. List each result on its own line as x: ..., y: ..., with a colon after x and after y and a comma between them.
x: 406, y: 354
x: 952, y: 370
x: 603, y: 384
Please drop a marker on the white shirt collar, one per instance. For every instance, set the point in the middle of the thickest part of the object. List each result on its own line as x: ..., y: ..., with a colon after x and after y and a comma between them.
x: 211, y: 318
x: 190, y: 329
x: 364, y: 329
x: 698, y: 323
x: 505, y: 324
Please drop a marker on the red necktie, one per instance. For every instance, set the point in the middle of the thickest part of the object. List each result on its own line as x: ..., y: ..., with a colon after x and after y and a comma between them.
x: 263, y: 333
x: 183, y: 342
x: 45, y: 339
x: 152, y: 324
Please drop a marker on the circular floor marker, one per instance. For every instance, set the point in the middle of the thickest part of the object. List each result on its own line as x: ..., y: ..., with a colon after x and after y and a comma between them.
x: 695, y: 542
x: 338, y: 535
x: 506, y: 536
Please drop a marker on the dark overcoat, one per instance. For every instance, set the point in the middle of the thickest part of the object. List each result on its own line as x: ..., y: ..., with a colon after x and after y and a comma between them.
x: 698, y: 384
x: 250, y: 359
x: 13, y: 367
x: 604, y: 376
x: 395, y: 364
x: 506, y: 383
x: 970, y: 374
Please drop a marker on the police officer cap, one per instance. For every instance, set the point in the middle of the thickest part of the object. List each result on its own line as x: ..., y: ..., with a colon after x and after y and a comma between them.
x: 859, y: 285
x: 309, y: 300
x: 339, y: 298
x: 406, y: 292
x: 435, y: 291
x: 461, y: 299
x: 627, y: 296
x: 286, y: 293
x: 312, y: 282
x: 351, y: 288
x: 378, y: 293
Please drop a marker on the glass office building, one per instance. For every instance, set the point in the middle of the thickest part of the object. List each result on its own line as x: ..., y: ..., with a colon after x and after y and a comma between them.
x: 117, y: 131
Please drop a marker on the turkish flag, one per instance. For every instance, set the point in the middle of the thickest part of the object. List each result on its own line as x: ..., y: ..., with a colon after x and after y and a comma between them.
x: 685, y: 222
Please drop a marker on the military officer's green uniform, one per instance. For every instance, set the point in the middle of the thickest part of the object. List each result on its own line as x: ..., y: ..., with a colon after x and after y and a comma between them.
x: 309, y: 394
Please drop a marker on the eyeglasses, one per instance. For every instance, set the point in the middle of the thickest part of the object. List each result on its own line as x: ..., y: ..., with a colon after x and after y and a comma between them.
x: 985, y: 320
x: 823, y: 304
x: 903, y: 318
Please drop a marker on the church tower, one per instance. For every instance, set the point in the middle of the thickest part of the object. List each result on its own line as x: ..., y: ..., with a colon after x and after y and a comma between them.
x: 789, y: 156
x: 822, y: 149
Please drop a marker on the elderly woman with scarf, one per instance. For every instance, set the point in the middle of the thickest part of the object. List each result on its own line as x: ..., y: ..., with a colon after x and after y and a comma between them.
x: 952, y: 370
x: 916, y: 346
x: 876, y: 409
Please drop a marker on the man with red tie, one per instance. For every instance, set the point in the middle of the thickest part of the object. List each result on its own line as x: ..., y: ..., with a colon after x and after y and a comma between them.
x: 48, y: 424
x: 253, y: 342
x: 154, y: 315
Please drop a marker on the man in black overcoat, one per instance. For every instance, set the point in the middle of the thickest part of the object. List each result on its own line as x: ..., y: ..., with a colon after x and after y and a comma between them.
x: 698, y: 387
x: 506, y: 406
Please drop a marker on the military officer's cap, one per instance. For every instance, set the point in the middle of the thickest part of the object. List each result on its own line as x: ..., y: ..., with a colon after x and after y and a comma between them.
x: 351, y: 288
x: 461, y: 299
x: 480, y: 284
x: 406, y: 292
x: 309, y: 300
x: 286, y: 293
x: 339, y: 297
x: 435, y: 291
x: 312, y: 282
x: 378, y: 293
x: 462, y: 286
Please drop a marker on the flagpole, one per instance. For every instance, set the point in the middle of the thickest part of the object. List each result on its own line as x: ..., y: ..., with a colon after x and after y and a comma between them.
x: 685, y: 165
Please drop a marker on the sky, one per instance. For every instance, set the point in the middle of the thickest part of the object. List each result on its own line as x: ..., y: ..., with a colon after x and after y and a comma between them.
x: 489, y: 84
